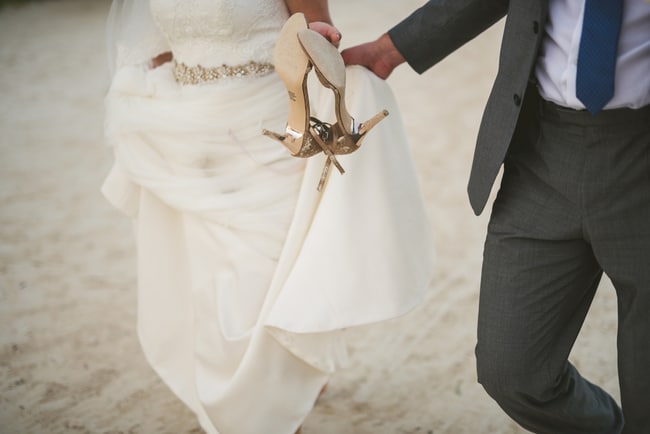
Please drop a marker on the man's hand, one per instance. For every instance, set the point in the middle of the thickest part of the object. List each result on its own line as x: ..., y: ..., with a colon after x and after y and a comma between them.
x: 379, y: 56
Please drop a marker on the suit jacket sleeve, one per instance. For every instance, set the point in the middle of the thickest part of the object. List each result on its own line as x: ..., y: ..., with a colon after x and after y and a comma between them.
x: 441, y: 26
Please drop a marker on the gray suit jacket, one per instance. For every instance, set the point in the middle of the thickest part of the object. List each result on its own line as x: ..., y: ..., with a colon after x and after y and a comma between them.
x: 440, y: 27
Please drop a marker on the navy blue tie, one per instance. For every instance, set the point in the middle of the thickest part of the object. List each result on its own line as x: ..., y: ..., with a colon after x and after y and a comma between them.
x: 597, y: 56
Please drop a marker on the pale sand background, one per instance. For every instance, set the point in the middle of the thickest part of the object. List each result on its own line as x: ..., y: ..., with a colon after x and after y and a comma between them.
x: 69, y: 358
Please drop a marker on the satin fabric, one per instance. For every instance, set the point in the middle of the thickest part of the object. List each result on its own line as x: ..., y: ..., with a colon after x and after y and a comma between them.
x: 247, y: 276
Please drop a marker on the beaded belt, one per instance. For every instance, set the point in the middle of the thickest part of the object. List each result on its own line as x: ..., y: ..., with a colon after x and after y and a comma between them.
x: 200, y: 74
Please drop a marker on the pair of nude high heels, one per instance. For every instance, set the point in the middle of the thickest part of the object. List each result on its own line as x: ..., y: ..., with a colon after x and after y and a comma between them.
x: 297, y: 50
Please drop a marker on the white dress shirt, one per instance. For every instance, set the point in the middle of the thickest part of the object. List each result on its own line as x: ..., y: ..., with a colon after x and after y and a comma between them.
x: 557, y: 63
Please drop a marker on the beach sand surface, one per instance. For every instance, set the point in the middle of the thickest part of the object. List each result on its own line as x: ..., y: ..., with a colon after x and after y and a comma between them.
x: 70, y: 361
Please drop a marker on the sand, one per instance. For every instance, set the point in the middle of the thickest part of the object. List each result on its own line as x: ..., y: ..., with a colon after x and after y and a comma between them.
x: 70, y: 361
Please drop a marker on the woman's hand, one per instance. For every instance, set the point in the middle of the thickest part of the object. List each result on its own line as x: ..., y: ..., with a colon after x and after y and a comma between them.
x: 160, y: 59
x: 328, y: 31
x: 318, y: 16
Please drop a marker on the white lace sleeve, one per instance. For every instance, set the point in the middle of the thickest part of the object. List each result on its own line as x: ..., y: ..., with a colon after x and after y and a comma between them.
x: 132, y: 36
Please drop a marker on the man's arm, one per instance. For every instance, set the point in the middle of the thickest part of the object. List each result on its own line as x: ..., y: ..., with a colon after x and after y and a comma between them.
x: 428, y: 35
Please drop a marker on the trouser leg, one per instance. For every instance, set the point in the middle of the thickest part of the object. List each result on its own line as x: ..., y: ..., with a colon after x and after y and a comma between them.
x: 534, y: 298
x: 539, y: 277
x: 617, y: 205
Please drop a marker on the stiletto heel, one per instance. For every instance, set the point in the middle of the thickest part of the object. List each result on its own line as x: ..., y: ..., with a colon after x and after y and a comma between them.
x: 330, y: 70
x: 293, y: 68
x: 305, y: 135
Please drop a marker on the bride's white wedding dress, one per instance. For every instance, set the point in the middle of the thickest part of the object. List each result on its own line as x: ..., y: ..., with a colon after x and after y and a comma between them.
x: 247, y: 276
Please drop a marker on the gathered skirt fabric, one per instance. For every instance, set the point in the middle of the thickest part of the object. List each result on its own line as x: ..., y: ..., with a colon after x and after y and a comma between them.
x: 247, y: 276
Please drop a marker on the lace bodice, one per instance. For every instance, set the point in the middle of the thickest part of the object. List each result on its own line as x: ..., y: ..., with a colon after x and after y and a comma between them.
x: 216, y: 32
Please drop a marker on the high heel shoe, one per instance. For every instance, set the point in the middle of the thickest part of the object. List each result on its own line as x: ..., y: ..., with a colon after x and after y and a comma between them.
x: 330, y: 70
x: 305, y: 135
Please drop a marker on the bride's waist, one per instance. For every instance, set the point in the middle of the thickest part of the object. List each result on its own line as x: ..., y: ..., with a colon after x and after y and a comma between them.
x: 157, y: 92
x: 198, y: 62
x: 198, y: 74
